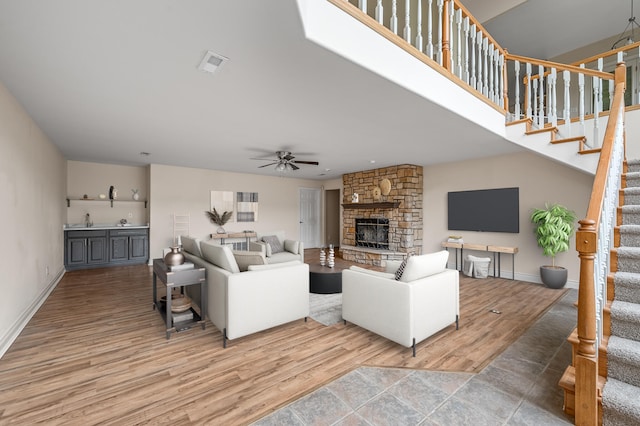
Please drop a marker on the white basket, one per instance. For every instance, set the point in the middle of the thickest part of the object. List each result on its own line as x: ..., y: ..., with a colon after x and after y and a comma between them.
x: 476, y: 267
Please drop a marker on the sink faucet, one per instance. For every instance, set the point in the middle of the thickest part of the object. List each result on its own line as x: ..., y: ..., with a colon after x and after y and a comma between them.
x: 87, y: 220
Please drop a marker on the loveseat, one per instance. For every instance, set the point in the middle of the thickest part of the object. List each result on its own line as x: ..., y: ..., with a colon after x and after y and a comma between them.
x: 277, y: 248
x: 245, y: 294
x: 422, y: 301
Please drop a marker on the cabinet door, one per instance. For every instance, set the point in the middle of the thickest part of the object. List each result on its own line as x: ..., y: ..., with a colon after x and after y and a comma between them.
x: 138, y: 247
x: 76, y: 251
x: 119, y: 248
x: 97, y: 250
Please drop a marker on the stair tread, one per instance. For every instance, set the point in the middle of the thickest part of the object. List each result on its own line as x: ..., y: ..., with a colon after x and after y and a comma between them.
x: 621, y: 348
x: 621, y: 397
x: 631, y: 190
x: 626, y: 309
x: 622, y: 278
x: 630, y: 228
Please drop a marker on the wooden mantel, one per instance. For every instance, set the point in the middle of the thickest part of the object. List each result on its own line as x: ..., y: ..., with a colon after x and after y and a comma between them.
x: 381, y: 205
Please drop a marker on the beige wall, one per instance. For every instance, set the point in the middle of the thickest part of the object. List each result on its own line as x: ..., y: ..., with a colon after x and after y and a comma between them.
x: 539, y: 180
x: 94, y: 179
x: 186, y: 190
x: 32, y: 184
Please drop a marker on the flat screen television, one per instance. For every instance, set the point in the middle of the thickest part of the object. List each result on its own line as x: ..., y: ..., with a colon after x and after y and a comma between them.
x: 484, y: 210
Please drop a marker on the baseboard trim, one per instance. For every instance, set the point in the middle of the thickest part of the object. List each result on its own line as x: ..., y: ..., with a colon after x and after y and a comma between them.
x: 16, y: 328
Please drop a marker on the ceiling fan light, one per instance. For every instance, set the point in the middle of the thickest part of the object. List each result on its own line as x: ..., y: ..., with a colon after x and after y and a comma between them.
x: 281, y: 167
x: 288, y: 167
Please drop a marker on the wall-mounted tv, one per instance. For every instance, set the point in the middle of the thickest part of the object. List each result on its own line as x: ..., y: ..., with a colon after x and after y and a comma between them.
x: 485, y: 210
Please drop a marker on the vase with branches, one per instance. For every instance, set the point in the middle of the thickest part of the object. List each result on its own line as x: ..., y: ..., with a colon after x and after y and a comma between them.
x: 219, y: 219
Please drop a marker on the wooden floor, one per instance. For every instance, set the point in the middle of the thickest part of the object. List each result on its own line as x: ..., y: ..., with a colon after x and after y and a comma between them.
x: 96, y: 353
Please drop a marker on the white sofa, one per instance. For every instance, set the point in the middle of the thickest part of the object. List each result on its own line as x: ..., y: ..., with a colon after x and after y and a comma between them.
x: 290, y: 249
x: 422, y: 302
x: 244, y: 294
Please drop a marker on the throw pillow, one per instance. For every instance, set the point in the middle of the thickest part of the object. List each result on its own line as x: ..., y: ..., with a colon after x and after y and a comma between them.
x: 219, y: 256
x: 274, y: 242
x: 248, y: 258
x: 292, y: 246
x: 425, y: 265
x: 400, y: 269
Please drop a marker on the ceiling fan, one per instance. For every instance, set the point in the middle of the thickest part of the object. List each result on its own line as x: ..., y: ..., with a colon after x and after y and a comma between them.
x: 285, y: 162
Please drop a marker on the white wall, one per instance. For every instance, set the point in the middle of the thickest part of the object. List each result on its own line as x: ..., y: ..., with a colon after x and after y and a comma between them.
x: 187, y: 190
x: 32, y: 184
x: 94, y: 179
x: 540, y: 181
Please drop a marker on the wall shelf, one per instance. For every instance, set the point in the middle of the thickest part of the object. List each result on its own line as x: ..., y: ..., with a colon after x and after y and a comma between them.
x: 381, y: 205
x: 88, y: 200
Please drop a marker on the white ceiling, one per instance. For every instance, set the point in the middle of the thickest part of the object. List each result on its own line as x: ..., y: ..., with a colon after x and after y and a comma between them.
x: 108, y: 79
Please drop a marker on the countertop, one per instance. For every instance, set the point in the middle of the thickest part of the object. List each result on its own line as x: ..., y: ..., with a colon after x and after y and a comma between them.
x: 83, y: 227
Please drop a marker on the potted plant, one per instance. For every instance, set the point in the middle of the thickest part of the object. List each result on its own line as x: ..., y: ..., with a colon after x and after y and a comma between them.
x: 219, y: 219
x: 553, y: 227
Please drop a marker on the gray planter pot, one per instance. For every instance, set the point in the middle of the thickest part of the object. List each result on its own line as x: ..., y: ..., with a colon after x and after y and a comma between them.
x: 553, y: 277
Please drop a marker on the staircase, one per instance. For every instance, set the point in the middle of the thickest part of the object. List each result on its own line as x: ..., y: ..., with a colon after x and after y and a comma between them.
x: 621, y: 392
x: 619, y: 352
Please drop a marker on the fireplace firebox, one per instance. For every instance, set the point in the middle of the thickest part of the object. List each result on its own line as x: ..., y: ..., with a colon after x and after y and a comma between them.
x: 372, y: 233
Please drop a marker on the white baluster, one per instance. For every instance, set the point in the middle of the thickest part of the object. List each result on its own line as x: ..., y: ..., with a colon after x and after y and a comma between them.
x: 394, y: 17
x: 581, y: 99
x: 491, y: 72
x: 553, y: 110
x: 363, y: 5
x: 541, y: 96
x: 480, y: 79
x: 566, y: 76
x: 465, y: 27
x: 496, y: 76
x: 600, y: 64
x: 473, y: 56
x: 379, y: 12
x: 534, y: 88
x: 452, y: 57
x: 419, y: 26
x: 439, y: 3
x: 485, y: 86
x: 407, y: 19
x: 529, y: 91
x: 596, y: 111
x: 516, y: 112
x: 501, y: 81
x: 459, y: 49
x: 430, y: 30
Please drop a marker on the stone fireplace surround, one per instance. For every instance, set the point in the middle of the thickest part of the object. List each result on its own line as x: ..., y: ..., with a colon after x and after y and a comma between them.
x: 402, y: 207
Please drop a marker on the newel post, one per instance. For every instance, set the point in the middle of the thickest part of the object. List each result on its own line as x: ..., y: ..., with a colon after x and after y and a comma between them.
x: 446, y: 33
x: 586, y: 360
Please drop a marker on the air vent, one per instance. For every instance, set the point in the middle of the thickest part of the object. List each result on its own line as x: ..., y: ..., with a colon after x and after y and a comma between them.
x: 211, y: 62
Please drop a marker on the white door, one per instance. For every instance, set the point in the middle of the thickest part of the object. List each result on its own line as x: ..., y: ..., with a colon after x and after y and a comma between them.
x: 310, y: 217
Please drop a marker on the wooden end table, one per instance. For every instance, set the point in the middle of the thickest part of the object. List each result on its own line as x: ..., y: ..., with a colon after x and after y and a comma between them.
x: 179, y: 279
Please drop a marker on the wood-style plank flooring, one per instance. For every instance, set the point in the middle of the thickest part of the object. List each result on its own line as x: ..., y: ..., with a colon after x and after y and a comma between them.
x: 96, y: 353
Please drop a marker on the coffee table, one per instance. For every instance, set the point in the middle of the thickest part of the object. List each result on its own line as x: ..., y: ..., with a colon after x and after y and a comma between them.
x: 325, y: 280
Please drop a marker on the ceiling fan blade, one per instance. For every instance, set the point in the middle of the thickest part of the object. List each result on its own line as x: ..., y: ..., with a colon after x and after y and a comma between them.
x: 267, y: 165
x: 264, y: 159
x: 313, y: 163
x: 293, y: 166
x: 288, y: 157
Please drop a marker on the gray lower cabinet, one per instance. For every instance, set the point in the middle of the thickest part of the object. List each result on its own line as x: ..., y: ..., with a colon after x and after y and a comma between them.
x: 105, y: 247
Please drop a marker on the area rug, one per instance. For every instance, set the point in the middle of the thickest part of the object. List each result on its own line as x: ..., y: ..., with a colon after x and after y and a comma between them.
x: 325, y: 308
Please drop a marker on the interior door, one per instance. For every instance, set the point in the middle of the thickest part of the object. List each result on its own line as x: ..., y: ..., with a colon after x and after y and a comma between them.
x: 310, y: 214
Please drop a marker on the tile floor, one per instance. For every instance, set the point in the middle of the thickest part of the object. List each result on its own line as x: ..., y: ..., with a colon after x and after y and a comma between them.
x: 519, y: 387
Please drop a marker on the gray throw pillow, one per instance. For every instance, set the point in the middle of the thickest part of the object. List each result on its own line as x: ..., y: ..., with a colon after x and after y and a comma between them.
x: 274, y: 242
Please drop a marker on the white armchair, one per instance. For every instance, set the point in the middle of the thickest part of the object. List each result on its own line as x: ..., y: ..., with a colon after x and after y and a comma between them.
x: 276, y: 248
x: 407, y: 311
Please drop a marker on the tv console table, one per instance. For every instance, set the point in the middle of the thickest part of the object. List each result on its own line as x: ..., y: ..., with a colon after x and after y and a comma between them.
x: 495, y: 250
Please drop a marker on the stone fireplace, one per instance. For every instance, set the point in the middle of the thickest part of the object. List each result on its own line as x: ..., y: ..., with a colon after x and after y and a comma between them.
x: 378, y: 227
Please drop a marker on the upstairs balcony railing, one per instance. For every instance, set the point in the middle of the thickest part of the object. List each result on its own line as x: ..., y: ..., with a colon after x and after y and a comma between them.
x: 448, y: 37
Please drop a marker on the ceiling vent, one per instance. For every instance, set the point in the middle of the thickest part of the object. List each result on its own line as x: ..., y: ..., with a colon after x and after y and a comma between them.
x: 211, y: 62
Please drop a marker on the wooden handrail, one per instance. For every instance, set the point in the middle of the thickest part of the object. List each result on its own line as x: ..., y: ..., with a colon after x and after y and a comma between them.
x: 607, y: 54
x: 560, y: 67
x: 485, y: 33
x: 586, y: 357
